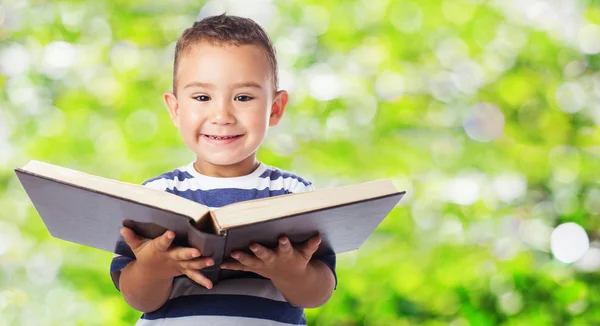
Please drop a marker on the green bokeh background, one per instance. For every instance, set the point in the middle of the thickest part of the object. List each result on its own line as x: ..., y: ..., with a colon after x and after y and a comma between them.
x: 486, y: 112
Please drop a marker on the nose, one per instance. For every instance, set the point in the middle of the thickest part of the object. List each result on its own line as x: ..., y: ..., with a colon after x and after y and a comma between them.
x: 222, y: 113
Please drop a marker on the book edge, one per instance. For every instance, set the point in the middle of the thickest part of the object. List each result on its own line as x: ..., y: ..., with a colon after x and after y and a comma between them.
x: 399, y: 193
x: 224, y: 225
x: 193, y: 222
x: 38, y: 168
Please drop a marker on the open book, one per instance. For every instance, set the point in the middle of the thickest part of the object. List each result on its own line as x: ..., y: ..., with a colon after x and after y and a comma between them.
x: 90, y: 210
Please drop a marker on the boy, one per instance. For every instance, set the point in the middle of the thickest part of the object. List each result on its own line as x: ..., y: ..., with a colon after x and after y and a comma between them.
x: 224, y: 98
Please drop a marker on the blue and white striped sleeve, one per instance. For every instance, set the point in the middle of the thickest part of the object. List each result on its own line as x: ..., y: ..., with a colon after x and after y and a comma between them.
x: 301, y: 185
x: 119, y: 262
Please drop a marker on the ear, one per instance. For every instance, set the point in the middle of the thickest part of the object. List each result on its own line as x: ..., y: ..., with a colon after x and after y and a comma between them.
x: 172, y: 106
x: 277, y: 108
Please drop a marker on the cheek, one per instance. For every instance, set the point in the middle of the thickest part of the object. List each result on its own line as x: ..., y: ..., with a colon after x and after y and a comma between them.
x: 190, y: 117
x: 258, y: 122
x: 260, y: 119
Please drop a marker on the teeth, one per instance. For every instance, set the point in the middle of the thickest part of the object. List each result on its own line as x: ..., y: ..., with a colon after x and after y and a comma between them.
x: 219, y: 138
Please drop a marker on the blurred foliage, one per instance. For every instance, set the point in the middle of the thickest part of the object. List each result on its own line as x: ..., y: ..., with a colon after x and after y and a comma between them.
x: 486, y: 112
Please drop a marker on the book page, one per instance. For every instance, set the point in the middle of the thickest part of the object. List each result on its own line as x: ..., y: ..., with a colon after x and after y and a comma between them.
x: 265, y: 209
x: 133, y: 192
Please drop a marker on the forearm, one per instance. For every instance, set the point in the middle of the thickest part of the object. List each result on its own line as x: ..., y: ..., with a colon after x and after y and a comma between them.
x: 312, y: 290
x: 142, y: 290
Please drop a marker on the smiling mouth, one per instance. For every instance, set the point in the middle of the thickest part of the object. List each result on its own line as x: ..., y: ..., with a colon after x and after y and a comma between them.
x: 221, y: 137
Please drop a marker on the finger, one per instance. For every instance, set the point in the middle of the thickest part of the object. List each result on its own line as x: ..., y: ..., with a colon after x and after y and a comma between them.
x: 131, y: 238
x: 265, y: 254
x: 198, y: 277
x: 163, y: 242
x: 182, y: 253
x: 246, y: 260
x: 198, y: 263
x: 285, y: 247
x: 235, y: 266
x: 310, y: 247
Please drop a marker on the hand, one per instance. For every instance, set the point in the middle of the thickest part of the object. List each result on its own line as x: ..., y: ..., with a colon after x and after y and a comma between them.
x: 285, y: 263
x: 165, y: 261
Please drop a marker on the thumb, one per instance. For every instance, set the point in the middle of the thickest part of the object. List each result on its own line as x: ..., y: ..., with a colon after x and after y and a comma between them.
x: 310, y: 247
x: 131, y: 238
x: 163, y: 242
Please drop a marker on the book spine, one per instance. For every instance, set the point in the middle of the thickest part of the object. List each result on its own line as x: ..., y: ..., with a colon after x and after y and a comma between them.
x: 217, y: 227
x: 210, y: 245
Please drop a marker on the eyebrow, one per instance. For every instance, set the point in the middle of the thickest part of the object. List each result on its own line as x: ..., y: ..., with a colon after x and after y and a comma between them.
x: 209, y: 85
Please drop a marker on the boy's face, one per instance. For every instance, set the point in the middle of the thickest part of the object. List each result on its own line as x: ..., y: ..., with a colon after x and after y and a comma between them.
x: 225, y: 102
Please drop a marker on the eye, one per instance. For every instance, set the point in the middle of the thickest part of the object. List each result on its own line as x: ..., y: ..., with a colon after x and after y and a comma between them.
x: 243, y: 98
x: 201, y: 98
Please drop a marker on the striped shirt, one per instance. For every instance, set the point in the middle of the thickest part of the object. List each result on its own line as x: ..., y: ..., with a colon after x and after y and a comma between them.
x: 249, y: 299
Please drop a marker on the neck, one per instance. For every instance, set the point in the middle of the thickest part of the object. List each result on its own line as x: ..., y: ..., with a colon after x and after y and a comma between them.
x: 239, y: 169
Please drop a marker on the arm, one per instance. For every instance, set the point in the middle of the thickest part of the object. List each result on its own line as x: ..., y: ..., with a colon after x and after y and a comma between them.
x: 318, y: 282
x: 146, y: 283
x: 143, y: 290
x: 311, y: 290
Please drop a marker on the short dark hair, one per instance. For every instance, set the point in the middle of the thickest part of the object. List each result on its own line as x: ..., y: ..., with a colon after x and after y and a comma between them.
x: 225, y: 29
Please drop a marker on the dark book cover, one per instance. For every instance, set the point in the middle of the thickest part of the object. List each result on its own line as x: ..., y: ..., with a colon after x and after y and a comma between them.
x: 88, y: 217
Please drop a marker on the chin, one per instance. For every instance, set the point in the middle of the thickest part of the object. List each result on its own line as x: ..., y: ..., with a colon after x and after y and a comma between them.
x: 222, y: 161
